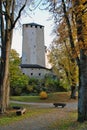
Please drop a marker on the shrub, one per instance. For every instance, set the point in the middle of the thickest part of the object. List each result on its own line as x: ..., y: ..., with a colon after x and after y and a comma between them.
x: 53, y: 84
x: 17, y: 91
x: 43, y: 95
x: 29, y: 88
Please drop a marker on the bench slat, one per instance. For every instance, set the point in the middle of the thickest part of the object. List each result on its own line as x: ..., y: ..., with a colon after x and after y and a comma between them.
x: 59, y: 104
x: 20, y: 111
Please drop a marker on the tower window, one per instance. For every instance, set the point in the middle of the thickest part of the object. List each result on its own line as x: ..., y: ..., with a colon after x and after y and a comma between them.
x: 31, y: 73
x: 35, y: 26
x: 26, y: 25
x: 40, y: 26
x: 39, y: 74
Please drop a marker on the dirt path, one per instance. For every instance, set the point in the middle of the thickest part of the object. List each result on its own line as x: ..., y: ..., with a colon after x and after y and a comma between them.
x: 41, y: 122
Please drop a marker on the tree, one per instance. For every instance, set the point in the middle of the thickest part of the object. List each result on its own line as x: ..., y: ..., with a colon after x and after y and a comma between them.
x: 79, y: 48
x: 72, y: 37
x: 18, y: 81
x: 80, y: 15
x: 8, y: 21
x: 63, y: 45
x: 62, y: 17
x: 67, y: 71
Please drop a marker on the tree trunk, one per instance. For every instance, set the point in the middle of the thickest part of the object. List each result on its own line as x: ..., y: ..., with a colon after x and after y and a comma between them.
x: 73, y: 92
x: 4, y: 84
x: 7, y: 9
x: 82, y: 97
x: 73, y: 61
x: 82, y: 90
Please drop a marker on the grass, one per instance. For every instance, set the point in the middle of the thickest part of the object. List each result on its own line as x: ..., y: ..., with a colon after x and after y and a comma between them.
x: 68, y: 122
x: 53, y: 97
x: 11, y: 116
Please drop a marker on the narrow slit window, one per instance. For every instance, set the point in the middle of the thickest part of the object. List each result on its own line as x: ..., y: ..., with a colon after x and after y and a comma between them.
x: 31, y: 73
x: 39, y: 74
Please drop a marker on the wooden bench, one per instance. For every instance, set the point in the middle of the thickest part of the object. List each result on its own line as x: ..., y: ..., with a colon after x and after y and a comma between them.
x: 20, y: 111
x: 59, y: 105
x: 17, y: 107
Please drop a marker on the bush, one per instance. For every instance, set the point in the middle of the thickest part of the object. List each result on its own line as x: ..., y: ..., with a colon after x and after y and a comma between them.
x: 29, y: 88
x: 17, y: 91
x: 43, y: 95
x: 53, y: 84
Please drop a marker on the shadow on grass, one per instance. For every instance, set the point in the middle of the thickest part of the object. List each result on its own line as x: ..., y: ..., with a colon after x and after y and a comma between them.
x: 69, y: 123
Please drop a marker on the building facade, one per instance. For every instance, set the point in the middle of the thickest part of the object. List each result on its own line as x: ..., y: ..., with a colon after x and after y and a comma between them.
x: 33, y: 51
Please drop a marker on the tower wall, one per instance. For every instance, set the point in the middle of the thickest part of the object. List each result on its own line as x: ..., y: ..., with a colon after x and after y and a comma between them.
x: 33, y: 50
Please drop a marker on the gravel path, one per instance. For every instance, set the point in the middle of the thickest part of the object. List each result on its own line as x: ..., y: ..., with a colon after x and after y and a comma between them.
x: 72, y: 105
x: 41, y: 122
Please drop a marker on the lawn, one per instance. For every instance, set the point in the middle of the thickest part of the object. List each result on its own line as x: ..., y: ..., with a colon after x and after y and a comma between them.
x: 53, y: 97
x: 68, y: 122
x: 11, y: 116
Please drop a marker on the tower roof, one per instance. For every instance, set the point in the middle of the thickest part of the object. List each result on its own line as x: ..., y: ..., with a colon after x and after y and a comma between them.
x: 33, y: 66
x: 34, y: 24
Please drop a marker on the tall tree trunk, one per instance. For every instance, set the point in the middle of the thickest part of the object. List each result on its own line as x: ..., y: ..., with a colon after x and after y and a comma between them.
x: 82, y: 91
x: 6, y: 40
x: 73, y: 92
x: 73, y: 61
x: 5, y: 72
x: 73, y: 74
x: 7, y: 9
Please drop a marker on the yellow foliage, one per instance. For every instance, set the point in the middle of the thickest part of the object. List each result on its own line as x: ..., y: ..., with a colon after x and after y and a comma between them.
x: 83, y: 1
x: 30, y: 88
x: 43, y: 95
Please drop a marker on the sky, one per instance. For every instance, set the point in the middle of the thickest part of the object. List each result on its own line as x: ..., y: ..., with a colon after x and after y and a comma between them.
x: 40, y: 17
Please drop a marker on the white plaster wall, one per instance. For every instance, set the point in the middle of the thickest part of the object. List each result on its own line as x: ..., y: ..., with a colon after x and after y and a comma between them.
x: 28, y: 47
x: 33, y: 50
x: 40, y: 46
x: 40, y: 73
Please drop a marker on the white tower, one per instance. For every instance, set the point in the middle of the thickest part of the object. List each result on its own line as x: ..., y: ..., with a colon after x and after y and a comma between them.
x: 33, y: 50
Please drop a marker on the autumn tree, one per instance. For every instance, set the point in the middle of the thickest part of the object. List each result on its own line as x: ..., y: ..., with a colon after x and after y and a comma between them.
x: 8, y: 9
x: 59, y: 11
x: 78, y: 8
x: 80, y: 11
x: 59, y: 58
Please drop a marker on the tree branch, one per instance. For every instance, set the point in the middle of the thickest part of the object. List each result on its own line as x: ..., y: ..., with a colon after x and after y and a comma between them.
x: 19, y: 14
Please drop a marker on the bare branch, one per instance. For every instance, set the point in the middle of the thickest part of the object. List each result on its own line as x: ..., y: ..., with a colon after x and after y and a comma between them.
x: 12, y: 13
x: 19, y: 14
x: 35, y: 7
